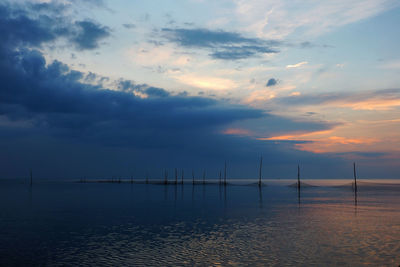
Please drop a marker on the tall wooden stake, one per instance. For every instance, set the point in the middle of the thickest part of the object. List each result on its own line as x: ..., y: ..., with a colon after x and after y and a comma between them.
x: 192, y: 176
x: 259, y: 178
x: 220, y: 177
x: 298, y: 177
x: 176, y: 176
x: 355, y: 177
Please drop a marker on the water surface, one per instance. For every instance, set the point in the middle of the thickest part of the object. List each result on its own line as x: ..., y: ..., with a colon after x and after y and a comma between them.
x: 103, y: 224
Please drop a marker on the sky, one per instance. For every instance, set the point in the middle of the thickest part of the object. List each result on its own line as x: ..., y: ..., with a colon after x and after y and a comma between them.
x: 102, y: 88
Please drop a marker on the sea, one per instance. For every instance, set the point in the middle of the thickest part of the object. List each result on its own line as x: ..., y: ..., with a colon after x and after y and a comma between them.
x: 131, y: 223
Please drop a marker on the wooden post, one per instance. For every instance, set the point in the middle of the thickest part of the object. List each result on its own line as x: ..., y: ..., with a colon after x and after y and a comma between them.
x: 176, y: 176
x: 259, y: 178
x: 192, y: 176
x: 220, y: 177
x: 147, y: 177
x: 166, y: 177
x: 298, y: 177
x: 355, y: 177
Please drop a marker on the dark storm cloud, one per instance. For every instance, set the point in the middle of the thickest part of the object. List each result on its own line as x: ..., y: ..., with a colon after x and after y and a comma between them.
x: 224, y: 45
x: 361, y: 154
x: 56, y: 119
x: 54, y: 97
x: 36, y: 24
x: 205, y: 38
x: 273, y: 125
x: 234, y: 53
x: 130, y: 86
x: 271, y: 82
x: 18, y: 28
x: 89, y: 34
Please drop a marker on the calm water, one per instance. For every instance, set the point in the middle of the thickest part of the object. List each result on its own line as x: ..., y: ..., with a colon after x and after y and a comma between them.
x: 100, y: 224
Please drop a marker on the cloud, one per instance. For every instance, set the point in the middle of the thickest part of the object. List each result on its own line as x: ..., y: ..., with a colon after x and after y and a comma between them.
x: 53, y: 97
x: 392, y: 64
x: 63, y: 114
x: 298, y: 65
x: 89, y: 34
x: 142, y: 89
x: 224, y: 45
x: 206, y: 82
x: 385, y: 99
x: 273, y: 127
x: 235, y: 53
x: 129, y: 25
x: 235, y: 131
x: 336, y: 144
x: 34, y: 25
x: 66, y: 118
x: 271, y: 82
x: 280, y: 18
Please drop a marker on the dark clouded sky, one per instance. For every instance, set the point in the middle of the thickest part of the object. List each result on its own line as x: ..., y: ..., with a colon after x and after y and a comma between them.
x: 110, y: 88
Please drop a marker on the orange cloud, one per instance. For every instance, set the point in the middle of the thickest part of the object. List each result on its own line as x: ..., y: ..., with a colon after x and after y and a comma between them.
x: 260, y: 95
x: 296, y: 137
x: 237, y: 131
x: 206, y: 82
x: 319, y: 142
x: 336, y: 144
x: 373, y: 104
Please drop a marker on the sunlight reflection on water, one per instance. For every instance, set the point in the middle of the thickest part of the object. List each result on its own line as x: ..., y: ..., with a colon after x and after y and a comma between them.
x: 154, y: 225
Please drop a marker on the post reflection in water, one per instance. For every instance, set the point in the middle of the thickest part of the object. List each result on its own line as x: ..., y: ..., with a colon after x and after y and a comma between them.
x: 182, y: 190
x: 225, y: 204
x: 355, y: 202
x: 165, y: 193
x: 193, y: 185
x: 260, y: 198
x: 175, y: 193
x: 298, y: 196
x: 220, y: 191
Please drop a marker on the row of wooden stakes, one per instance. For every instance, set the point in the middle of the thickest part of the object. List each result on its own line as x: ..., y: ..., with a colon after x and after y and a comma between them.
x: 221, y: 182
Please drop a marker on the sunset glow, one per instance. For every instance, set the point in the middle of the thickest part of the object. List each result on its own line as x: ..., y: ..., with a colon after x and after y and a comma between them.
x: 197, y: 83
